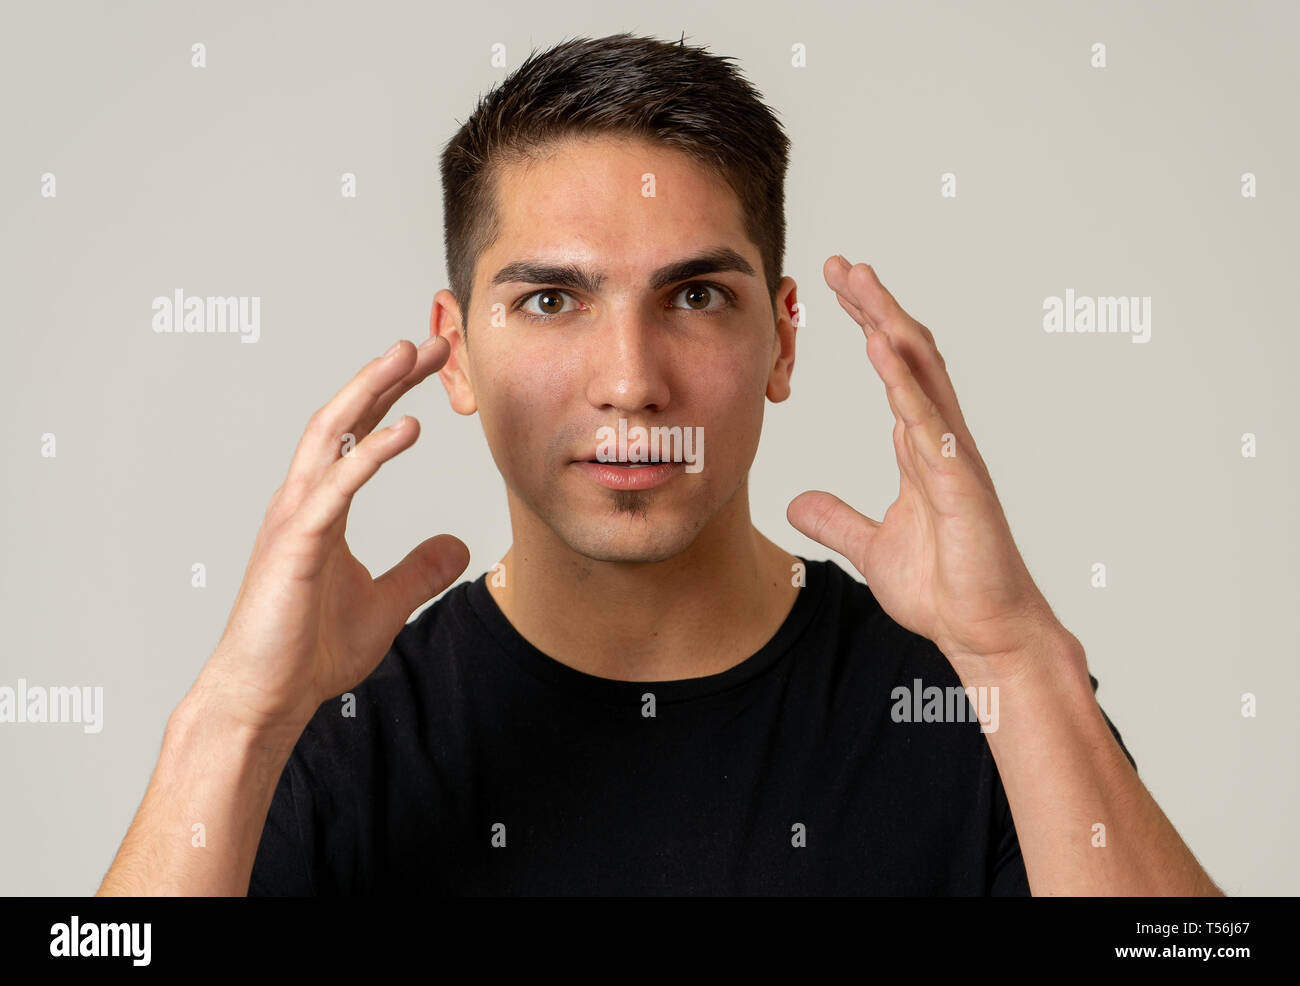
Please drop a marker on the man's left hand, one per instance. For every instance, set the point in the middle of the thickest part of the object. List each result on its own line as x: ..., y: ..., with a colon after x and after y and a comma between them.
x: 941, y: 562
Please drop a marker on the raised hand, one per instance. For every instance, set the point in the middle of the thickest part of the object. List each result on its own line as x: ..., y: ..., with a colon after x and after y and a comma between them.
x: 941, y: 561
x: 309, y: 622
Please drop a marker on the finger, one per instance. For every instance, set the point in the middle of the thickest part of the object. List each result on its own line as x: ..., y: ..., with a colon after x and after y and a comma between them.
x: 330, y: 498
x: 925, y: 428
x: 834, y: 271
x: 321, y: 442
x: 854, y: 312
x: 429, y: 358
x: 858, y: 287
x: 828, y: 520
x: 907, y: 460
x: 428, y: 569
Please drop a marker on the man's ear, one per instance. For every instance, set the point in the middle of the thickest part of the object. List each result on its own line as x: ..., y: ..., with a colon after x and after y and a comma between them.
x: 445, y: 320
x: 778, y: 381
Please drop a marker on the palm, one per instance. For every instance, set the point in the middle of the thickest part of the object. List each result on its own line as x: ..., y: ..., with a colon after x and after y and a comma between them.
x: 353, y: 621
x: 899, y: 561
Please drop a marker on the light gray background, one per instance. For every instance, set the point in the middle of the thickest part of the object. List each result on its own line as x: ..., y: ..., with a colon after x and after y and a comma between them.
x: 225, y: 181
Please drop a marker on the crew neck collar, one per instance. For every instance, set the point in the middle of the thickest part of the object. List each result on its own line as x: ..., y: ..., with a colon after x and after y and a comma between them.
x: 614, y: 691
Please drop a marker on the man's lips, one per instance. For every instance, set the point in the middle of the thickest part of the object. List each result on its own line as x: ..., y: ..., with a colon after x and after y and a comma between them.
x: 630, y: 475
x: 594, y: 456
x: 625, y: 463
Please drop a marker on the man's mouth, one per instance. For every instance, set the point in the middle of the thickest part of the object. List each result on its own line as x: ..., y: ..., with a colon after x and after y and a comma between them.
x: 622, y: 474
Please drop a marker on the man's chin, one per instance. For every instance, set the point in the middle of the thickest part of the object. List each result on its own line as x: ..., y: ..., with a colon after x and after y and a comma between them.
x: 630, y: 539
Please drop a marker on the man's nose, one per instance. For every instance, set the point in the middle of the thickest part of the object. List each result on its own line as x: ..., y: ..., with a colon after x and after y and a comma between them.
x: 628, y: 369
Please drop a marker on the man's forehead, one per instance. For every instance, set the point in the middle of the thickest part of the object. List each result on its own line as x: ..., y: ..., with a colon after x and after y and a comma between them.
x: 635, y: 239
x: 589, y: 211
x: 612, y: 182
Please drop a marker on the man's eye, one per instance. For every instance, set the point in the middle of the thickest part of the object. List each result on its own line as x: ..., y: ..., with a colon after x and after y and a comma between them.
x: 549, y: 302
x: 699, y: 295
x: 702, y: 296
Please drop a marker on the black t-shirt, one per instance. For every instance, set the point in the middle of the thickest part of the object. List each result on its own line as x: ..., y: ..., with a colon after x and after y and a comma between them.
x: 477, y: 764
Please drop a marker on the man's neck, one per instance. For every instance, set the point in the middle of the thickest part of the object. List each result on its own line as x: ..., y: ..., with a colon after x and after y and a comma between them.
x: 698, y: 613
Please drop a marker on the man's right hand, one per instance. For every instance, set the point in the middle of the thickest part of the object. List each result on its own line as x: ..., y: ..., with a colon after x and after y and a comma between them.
x: 309, y: 622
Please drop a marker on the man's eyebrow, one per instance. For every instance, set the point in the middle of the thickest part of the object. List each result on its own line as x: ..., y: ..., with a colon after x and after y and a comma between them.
x: 713, y: 261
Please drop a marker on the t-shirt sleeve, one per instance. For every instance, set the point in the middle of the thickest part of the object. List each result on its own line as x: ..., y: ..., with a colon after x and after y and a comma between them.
x: 280, y: 868
x: 1009, y: 876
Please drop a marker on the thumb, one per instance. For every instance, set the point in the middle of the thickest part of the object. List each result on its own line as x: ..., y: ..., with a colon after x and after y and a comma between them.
x: 830, y: 521
x: 427, y: 569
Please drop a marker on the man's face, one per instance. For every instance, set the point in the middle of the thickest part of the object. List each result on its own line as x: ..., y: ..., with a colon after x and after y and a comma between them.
x: 627, y: 338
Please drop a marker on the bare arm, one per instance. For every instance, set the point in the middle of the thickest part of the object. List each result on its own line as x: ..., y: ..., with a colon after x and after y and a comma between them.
x: 942, y: 563
x: 1065, y: 775
x: 308, y: 623
x: 215, y: 772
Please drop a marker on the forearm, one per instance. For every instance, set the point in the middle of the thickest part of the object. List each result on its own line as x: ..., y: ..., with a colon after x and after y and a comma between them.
x: 1065, y: 774
x: 212, y: 773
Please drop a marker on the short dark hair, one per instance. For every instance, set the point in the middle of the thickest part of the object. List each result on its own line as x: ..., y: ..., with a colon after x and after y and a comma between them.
x: 621, y: 85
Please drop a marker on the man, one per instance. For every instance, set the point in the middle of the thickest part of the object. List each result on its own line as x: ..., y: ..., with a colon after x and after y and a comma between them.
x: 646, y: 695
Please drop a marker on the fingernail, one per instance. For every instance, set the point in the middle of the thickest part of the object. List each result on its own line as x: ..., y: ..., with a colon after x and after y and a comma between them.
x: 394, y: 348
x: 843, y: 262
x: 429, y: 342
